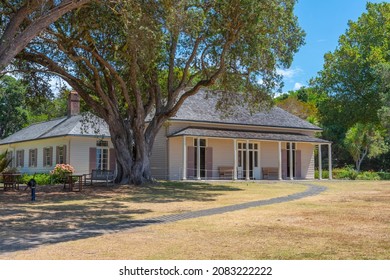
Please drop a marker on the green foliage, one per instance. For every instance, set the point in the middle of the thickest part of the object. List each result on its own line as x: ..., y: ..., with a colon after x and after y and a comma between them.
x: 364, y: 140
x: 12, y: 110
x: 348, y: 173
x: 41, y: 178
x: 325, y: 174
x: 349, y: 73
x: 345, y: 173
x: 354, y: 78
x: 384, y: 175
x: 4, y: 161
x: 368, y: 175
x: 383, y: 72
x: 302, y: 103
x: 135, y: 59
x: 44, y: 109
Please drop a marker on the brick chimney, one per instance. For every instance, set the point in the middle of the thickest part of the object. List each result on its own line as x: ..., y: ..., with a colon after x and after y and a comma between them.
x: 73, y: 104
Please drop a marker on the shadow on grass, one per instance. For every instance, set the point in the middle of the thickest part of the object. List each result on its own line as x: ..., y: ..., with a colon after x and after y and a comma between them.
x: 165, y: 192
x: 59, y: 216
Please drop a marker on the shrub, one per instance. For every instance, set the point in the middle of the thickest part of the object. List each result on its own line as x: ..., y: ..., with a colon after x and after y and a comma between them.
x: 384, y: 175
x: 325, y: 174
x: 345, y: 173
x: 4, y: 160
x: 61, y: 171
x: 41, y: 178
x: 368, y: 175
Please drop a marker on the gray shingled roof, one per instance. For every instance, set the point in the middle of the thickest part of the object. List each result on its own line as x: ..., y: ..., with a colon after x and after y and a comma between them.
x: 197, y: 108
x: 54, y: 128
x: 255, y: 135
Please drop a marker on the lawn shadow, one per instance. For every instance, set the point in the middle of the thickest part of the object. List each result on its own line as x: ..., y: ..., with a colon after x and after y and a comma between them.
x: 165, y: 192
x: 59, y: 216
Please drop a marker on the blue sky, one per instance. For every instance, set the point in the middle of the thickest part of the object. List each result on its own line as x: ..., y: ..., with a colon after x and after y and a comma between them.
x: 323, y: 21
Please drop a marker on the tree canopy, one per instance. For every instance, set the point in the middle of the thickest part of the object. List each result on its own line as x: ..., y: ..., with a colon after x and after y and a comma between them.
x: 23, y: 20
x: 13, y: 116
x: 364, y: 140
x: 354, y: 78
x: 349, y: 74
x: 134, y: 62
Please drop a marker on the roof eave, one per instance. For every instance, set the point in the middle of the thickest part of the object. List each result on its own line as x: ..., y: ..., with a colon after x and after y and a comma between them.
x: 317, y: 129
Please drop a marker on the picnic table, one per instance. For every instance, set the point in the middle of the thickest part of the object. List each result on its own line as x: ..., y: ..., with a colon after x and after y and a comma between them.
x: 11, y: 180
x: 74, y: 182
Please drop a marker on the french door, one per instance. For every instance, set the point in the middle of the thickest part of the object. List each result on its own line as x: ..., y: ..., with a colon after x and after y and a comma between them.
x: 252, y: 163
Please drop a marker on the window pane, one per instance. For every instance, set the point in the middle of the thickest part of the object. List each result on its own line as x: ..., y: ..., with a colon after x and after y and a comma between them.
x: 256, y: 146
x: 250, y: 146
x: 202, y: 142
x: 239, y: 145
x: 244, y: 145
x: 256, y: 159
x: 98, y: 159
x: 102, y: 143
x: 195, y: 142
x: 239, y: 159
x: 105, y: 159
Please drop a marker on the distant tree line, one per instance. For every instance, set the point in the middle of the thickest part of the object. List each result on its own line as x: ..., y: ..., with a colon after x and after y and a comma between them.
x: 350, y: 97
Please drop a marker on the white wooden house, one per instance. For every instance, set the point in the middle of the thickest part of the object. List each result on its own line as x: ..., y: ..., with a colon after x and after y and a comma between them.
x: 198, y: 143
x: 39, y: 147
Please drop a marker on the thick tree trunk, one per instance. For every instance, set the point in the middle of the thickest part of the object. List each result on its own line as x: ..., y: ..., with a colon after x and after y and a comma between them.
x: 133, y: 148
x: 123, y: 144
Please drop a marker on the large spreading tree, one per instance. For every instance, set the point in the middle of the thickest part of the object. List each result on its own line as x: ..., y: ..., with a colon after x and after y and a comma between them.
x: 23, y: 20
x: 350, y: 75
x: 135, y: 62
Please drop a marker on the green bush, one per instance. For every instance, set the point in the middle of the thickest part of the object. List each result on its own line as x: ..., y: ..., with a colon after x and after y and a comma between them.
x: 368, y: 175
x: 325, y: 174
x: 41, y: 178
x: 348, y: 173
x: 384, y: 175
x: 345, y: 173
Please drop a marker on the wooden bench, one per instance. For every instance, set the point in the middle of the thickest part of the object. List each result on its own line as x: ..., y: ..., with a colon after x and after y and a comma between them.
x: 270, y: 173
x: 100, y: 175
x: 226, y: 172
x: 11, y: 180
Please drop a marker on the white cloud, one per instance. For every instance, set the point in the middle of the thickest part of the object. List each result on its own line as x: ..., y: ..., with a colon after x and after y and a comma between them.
x: 297, y: 86
x: 260, y: 81
x: 289, y: 73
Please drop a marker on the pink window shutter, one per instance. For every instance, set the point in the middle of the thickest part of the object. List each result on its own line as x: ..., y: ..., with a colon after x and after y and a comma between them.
x: 22, y: 163
x: 298, y: 164
x: 51, y: 156
x: 65, y: 154
x: 92, y: 159
x: 57, y: 154
x: 112, y: 159
x: 284, y: 164
x: 209, y: 162
x: 190, y: 161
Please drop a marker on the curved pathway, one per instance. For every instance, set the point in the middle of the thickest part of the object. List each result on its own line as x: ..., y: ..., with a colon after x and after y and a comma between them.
x: 12, y: 243
x: 311, y: 191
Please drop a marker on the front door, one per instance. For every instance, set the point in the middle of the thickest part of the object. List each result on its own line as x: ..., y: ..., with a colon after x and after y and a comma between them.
x: 252, y: 164
x: 296, y: 162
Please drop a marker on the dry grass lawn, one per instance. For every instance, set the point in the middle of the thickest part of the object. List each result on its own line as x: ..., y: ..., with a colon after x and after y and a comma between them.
x: 351, y: 220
